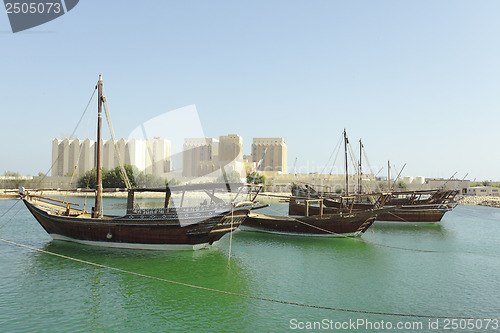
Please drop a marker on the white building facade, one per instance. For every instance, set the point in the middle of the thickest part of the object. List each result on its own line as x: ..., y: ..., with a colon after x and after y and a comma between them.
x: 151, y: 156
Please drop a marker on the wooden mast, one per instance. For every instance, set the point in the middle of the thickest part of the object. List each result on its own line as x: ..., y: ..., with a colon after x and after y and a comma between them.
x: 346, y: 167
x: 359, y: 165
x: 97, y: 208
x: 389, y: 176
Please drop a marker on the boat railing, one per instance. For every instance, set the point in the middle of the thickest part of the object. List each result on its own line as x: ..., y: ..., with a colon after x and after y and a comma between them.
x: 430, y: 206
x: 187, y: 209
x: 58, y: 206
x: 310, y: 202
x: 51, y: 201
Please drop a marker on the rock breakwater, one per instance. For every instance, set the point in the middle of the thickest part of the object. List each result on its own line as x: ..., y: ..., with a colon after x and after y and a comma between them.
x: 491, y: 201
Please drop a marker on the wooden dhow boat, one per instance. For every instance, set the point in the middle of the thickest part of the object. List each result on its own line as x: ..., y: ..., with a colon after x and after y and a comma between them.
x: 173, y: 226
x: 341, y: 203
x: 186, y: 227
x: 420, y: 206
x: 310, y: 217
x: 409, y: 206
x: 311, y: 214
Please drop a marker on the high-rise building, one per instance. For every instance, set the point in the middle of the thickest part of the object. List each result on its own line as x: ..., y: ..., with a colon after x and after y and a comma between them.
x: 275, y: 158
x: 149, y: 156
x: 231, y: 154
x: 204, y: 156
x: 198, y: 156
x: 157, y: 156
x: 230, y: 148
x: 60, y: 157
x: 87, y: 156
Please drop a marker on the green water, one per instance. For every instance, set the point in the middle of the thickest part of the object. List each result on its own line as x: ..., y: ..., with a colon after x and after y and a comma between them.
x: 461, y: 278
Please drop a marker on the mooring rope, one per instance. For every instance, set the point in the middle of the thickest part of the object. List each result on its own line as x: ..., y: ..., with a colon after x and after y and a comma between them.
x: 8, y: 210
x: 230, y: 236
x: 70, y: 182
x: 336, y: 149
x: 266, y: 299
x: 71, y: 135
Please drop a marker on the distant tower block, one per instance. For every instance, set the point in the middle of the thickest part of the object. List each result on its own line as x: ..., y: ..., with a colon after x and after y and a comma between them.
x: 198, y: 156
x: 149, y: 156
x: 276, y: 154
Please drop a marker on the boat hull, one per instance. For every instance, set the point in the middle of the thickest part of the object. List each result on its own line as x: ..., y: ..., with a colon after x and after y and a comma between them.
x: 323, y: 226
x: 426, y: 213
x: 145, y: 233
x: 416, y: 214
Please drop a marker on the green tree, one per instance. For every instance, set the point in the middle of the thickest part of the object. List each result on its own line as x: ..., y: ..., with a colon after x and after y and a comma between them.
x: 88, y: 179
x: 147, y: 180
x: 402, y: 185
x: 383, y: 186
x: 259, y: 179
x: 114, y: 179
x: 110, y: 178
x: 172, y: 182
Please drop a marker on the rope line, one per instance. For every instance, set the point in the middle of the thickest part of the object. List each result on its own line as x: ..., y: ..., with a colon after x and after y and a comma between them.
x: 115, y: 146
x: 12, y: 217
x: 72, y: 134
x: 341, y: 138
x: 272, y: 300
x: 336, y: 149
x: 313, y: 226
x: 8, y: 210
x: 230, y: 236
x: 71, y: 181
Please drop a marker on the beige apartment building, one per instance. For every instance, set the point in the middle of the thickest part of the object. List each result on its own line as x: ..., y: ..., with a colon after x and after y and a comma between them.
x: 204, y: 156
x: 230, y: 148
x: 231, y: 154
x: 275, y: 158
x: 198, y: 156
x: 66, y: 154
x: 151, y: 156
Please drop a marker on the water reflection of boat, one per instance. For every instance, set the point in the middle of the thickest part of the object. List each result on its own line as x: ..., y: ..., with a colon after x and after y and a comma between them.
x: 167, y: 227
x: 319, y: 245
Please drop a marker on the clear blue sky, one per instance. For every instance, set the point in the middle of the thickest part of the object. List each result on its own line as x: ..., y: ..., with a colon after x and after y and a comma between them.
x: 417, y: 81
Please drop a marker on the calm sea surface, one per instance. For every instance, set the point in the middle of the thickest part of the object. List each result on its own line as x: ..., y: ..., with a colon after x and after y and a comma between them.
x: 451, y: 269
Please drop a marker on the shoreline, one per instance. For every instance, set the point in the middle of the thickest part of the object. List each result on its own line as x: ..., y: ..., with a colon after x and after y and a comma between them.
x: 265, y: 198
x: 489, y: 201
